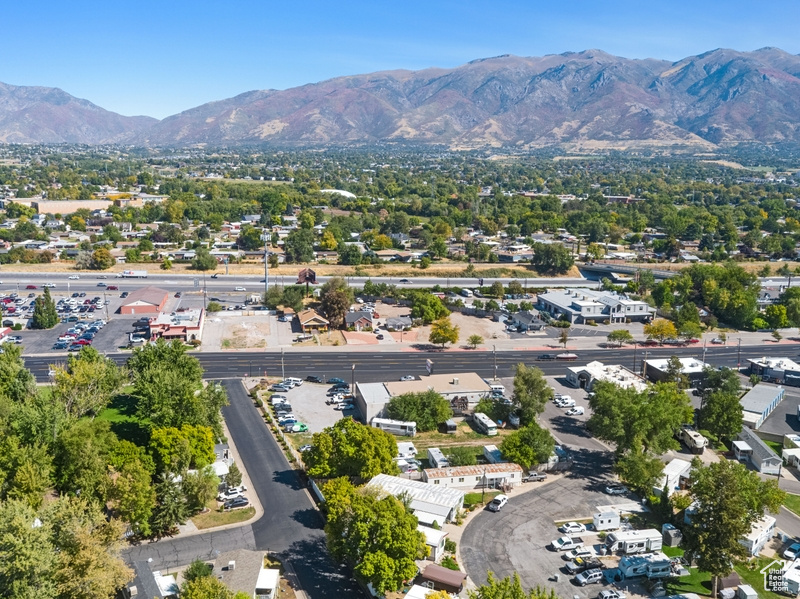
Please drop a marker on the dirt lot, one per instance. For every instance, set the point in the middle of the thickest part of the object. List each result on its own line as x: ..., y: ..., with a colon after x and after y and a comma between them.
x: 245, y: 334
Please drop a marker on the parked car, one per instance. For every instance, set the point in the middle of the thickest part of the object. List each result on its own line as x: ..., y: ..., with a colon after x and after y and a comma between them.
x: 615, y: 489
x: 572, y: 528
x: 534, y: 477
x: 576, y: 411
x: 231, y: 492
x: 589, y: 577
x: 299, y: 428
x: 498, y: 502
x: 566, y: 403
x: 408, y: 377
x: 717, y: 341
x: 337, y: 381
x: 578, y: 552
x: 237, y: 502
x: 611, y: 594
x: 305, y: 448
x: 314, y: 379
x: 279, y: 388
x: 344, y: 406
x: 792, y: 552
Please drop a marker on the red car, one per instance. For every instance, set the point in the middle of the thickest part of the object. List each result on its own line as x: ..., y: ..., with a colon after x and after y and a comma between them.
x: 650, y: 343
x: 692, y: 341
x: 81, y: 342
x: 30, y: 287
x: 112, y: 288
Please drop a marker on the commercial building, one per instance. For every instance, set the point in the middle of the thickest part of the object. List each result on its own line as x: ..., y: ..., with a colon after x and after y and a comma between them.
x: 759, y: 402
x: 748, y: 447
x: 783, y: 371
x: 657, y: 370
x: 580, y: 306
x: 485, y: 476
x: 65, y: 207
x: 462, y: 390
x: 147, y: 300
x: 429, y: 503
x: 584, y: 377
x: 185, y: 325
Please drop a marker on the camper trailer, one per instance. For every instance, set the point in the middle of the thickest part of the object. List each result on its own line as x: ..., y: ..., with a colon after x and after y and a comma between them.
x: 606, y: 521
x: 484, y: 424
x: 654, y: 565
x: 395, y: 427
x: 436, y: 458
x: 634, y: 541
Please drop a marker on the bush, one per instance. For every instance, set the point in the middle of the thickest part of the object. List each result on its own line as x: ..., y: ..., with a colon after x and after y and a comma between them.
x: 591, y: 323
x: 213, y: 307
x: 450, y: 545
x: 560, y: 324
x: 449, y: 563
x: 17, y: 327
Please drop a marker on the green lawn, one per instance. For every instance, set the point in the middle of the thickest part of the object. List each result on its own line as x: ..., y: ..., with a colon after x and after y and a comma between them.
x: 121, y: 413
x: 700, y: 582
x: 215, y: 518
x: 753, y: 576
x: 672, y: 551
x: 697, y: 582
x: 792, y: 503
x: 471, y: 499
x: 775, y: 446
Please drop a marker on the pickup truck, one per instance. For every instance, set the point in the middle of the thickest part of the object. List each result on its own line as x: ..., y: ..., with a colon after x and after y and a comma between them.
x: 582, y: 552
x: 566, y: 543
x: 534, y: 477
x: 580, y: 564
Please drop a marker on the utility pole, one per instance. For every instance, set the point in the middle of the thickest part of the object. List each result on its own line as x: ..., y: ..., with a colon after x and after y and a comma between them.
x: 353, y: 380
x: 283, y: 370
x: 266, y: 264
x: 494, y: 355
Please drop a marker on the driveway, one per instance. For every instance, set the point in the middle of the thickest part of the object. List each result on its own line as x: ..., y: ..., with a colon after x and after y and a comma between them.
x: 290, y: 528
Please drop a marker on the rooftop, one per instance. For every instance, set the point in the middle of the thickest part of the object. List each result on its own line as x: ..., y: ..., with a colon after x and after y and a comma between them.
x: 373, y: 393
x: 419, y: 491
x: 613, y: 373
x: 189, y: 317
x: 473, y: 470
x: 146, y: 295
x: 760, y: 398
x: 761, y: 451
x: 688, y: 365
x: 464, y: 382
x: 776, y: 363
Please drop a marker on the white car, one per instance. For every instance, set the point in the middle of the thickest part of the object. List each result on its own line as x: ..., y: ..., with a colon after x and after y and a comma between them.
x: 562, y: 398
x: 611, y: 594
x: 566, y: 403
x: 498, y: 502
x: 239, y: 289
x: 74, y: 277
x: 49, y: 285
x: 408, y: 377
x: 576, y: 411
x: 581, y: 552
x: 717, y: 341
x: 231, y: 492
x: 286, y: 417
x: 572, y: 528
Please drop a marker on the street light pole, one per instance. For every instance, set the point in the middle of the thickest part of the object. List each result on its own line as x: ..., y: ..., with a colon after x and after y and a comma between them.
x: 353, y: 380
x: 283, y: 370
x: 494, y: 355
x: 739, y: 355
x: 266, y: 264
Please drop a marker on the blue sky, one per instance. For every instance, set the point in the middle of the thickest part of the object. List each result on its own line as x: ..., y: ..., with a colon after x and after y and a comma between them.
x: 158, y: 58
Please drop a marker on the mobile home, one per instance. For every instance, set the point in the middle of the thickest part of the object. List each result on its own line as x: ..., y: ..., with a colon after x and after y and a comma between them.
x: 395, y: 427
x: 606, y: 521
x: 484, y: 424
x: 634, y: 541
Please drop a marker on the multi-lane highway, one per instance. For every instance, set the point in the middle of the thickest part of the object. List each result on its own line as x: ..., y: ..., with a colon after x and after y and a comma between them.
x: 375, y: 367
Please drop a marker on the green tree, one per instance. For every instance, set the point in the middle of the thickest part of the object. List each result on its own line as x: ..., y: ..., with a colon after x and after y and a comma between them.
x: 509, y: 588
x: 515, y: 287
x: 674, y: 373
x: 777, y: 316
x: 351, y: 449
x: 166, y: 264
x: 81, y: 458
x: 102, y: 259
x: 350, y: 254
x: 639, y: 468
x: 427, y: 307
x: 551, y: 258
x: 336, y: 298
x: 443, y: 332
x: 170, y: 509
x: 728, y: 499
x: 234, y: 476
x: 563, y: 337
x: 428, y: 409
x: 197, y: 569
x: 213, y: 307
x: 660, y: 329
x: 87, y: 383
x: 528, y: 446
x: 620, y: 336
x: 497, y: 289
x: 438, y: 247
x: 627, y: 417
x: 461, y: 455
x: 531, y: 393
x: 200, y: 488
x: 203, y: 261
x: 474, y: 341
x: 28, y: 559
x: 208, y: 587
x: 378, y: 537
x: 16, y: 381
x: 45, y: 315
x: 176, y: 450
x: 88, y: 549
x: 133, y: 497
x: 299, y: 246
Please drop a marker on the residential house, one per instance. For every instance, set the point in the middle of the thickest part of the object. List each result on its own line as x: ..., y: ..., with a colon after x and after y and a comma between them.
x: 150, y: 584
x: 243, y: 571
x: 310, y: 321
x: 358, y: 320
x: 748, y: 447
x: 674, y: 477
x: 527, y: 321
x: 499, y: 476
x: 434, y: 539
x: 398, y: 323
x: 429, y: 503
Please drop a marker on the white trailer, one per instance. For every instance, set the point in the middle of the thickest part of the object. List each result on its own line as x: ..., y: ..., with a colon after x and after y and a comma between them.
x: 132, y: 274
x: 395, y: 427
x: 634, y: 541
x: 606, y: 521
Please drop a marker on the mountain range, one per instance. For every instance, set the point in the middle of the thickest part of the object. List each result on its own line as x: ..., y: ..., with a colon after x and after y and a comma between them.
x: 589, y: 99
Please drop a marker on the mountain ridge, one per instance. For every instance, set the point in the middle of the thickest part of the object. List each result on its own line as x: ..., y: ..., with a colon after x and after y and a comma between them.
x: 588, y: 98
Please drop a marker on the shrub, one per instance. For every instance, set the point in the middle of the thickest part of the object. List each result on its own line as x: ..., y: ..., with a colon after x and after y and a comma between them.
x: 450, y: 545
x: 449, y: 563
x: 17, y: 326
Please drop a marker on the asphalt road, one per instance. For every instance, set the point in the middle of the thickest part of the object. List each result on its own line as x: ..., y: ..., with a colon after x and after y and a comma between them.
x: 291, y: 527
x: 371, y: 366
x: 11, y: 281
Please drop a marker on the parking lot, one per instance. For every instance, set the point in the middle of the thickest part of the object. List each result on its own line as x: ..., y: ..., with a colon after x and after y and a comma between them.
x: 309, y: 407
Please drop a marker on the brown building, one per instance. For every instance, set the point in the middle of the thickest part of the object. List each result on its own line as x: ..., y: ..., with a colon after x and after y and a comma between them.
x: 311, y: 321
x: 147, y: 300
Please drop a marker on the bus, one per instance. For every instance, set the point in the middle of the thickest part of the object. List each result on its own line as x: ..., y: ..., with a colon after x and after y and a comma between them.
x: 484, y: 424
x: 395, y: 427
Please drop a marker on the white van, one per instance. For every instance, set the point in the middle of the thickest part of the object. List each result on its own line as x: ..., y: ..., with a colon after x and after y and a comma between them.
x: 294, y: 381
x: 497, y: 389
x: 566, y: 403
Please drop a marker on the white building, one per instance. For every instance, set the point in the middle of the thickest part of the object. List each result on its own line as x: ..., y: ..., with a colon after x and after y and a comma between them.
x: 429, y: 503
x: 584, y: 377
x: 475, y: 477
x: 761, y: 532
x: 434, y: 539
x: 759, y: 402
x: 657, y: 370
x: 584, y: 305
x: 748, y: 447
x: 674, y: 476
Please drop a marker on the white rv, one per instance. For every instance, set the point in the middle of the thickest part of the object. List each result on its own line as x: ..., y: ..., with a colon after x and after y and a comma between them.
x: 634, y: 541
x: 395, y: 427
